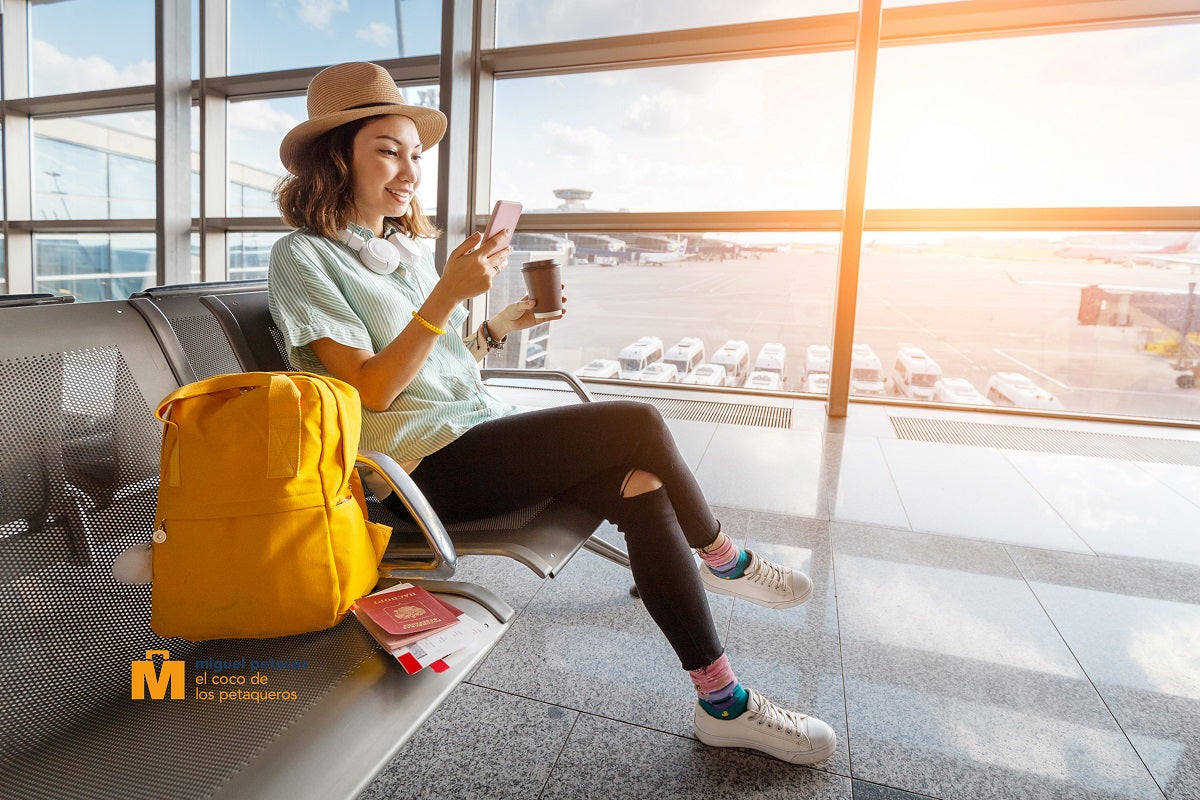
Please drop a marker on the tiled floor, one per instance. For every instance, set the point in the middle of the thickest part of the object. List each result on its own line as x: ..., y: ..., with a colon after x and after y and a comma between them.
x: 987, y: 623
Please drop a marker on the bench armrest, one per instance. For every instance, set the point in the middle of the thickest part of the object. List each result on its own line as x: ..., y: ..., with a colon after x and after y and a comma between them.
x: 574, y: 383
x: 445, y: 558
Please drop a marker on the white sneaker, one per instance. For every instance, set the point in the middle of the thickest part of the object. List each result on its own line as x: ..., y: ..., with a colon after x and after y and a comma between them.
x: 763, y: 582
x: 786, y: 735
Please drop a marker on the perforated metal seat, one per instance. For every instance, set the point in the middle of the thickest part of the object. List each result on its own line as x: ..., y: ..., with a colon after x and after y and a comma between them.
x: 78, y: 467
x: 198, y: 333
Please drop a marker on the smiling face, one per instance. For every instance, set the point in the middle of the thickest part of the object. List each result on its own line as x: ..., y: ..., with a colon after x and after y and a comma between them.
x: 385, y: 169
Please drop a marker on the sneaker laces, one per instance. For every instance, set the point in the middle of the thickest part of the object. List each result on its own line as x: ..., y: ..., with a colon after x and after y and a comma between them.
x: 768, y: 573
x: 771, y: 715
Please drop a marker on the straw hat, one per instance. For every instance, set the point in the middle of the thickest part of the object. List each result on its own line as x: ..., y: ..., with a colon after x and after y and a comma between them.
x: 346, y: 92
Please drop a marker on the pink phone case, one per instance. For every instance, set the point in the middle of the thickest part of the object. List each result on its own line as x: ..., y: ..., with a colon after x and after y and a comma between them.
x: 504, y: 215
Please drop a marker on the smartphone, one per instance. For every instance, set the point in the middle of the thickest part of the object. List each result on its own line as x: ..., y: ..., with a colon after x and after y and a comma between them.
x: 504, y: 215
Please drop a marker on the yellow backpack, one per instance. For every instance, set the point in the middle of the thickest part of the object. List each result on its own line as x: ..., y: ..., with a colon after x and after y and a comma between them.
x: 261, y: 526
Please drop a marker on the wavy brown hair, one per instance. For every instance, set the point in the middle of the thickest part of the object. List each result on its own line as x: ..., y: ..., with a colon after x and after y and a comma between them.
x: 320, y: 194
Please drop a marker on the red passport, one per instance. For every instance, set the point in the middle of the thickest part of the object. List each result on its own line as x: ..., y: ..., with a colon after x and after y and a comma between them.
x: 406, y: 611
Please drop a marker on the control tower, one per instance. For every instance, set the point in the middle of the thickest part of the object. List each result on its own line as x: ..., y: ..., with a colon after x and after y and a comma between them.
x: 572, y: 199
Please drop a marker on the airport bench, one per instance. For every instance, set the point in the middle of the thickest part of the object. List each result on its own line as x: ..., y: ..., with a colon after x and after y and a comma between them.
x: 78, y: 476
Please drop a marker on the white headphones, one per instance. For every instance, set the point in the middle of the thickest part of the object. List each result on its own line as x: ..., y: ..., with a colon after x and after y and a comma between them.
x: 381, y: 255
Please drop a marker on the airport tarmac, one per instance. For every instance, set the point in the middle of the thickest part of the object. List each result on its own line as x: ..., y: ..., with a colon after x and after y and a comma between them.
x: 973, y: 314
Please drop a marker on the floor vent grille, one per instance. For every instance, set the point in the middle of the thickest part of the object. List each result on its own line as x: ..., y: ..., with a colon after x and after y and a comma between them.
x: 758, y: 416
x: 1048, y: 440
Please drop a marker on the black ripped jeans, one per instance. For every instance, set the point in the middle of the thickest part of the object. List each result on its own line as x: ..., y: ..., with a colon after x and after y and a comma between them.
x: 583, y: 453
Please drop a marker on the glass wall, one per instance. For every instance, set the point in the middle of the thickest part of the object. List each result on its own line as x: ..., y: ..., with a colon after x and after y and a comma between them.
x: 94, y: 266
x: 711, y: 309
x: 250, y: 255
x: 525, y: 22
x: 95, y: 167
x: 1085, y: 322
x: 709, y: 151
x: 1101, y: 118
x: 264, y: 37
x: 84, y: 45
x: 696, y: 137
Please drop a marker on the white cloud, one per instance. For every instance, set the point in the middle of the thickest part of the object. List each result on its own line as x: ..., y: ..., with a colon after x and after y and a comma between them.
x: 259, y: 116
x: 319, y: 13
x: 662, y: 114
x: 378, y: 33
x: 55, y: 72
x: 571, y: 142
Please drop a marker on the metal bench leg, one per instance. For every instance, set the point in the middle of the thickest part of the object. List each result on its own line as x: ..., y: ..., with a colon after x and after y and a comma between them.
x: 606, y: 550
x: 612, y: 553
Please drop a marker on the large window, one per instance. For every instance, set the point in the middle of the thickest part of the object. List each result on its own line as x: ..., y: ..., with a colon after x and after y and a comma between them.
x: 267, y: 36
x: 94, y: 266
x: 84, y: 45
x: 708, y: 305
x: 99, y: 167
x: 1103, y: 118
x: 1031, y: 189
x: 1093, y: 323
x: 525, y: 22
x: 250, y: 255
x: 758, y: 134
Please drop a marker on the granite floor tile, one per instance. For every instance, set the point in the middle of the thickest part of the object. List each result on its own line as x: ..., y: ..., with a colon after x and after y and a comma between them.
x: 959, y: 686
x: 608, y: 760
x: 1183, y: 479
x: 692, y: 439
x: 974, y: 493
x: 1141, y: 652
x: 1116, y: 507
x: 479, y: 744
x: 586, y: 644
x: 763, y: 469
x: 862, y: 488
x: 873, y: 791
x: 514, y: 582
x: 792, y: 655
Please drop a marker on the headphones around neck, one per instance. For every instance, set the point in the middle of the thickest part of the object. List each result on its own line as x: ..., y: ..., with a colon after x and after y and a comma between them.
x: 381, y: 256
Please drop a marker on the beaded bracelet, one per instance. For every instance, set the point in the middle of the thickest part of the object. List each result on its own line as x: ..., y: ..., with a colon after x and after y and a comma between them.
x: 429, y: 325
x: 492, y: 344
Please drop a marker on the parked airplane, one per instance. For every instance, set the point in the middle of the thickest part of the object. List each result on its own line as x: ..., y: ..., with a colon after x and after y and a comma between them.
x: 1185, y: 250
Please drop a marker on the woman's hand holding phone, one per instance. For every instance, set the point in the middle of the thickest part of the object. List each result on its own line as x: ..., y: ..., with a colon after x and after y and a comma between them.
x: 473, y: 265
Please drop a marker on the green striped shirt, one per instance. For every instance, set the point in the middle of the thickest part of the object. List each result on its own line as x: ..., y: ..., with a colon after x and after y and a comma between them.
x: 319, y: 289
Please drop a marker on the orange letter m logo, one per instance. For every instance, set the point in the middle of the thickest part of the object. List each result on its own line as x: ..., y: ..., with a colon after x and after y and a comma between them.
x: 143, y: 676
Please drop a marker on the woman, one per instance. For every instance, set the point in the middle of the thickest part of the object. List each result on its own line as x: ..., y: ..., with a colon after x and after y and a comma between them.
x: 356, y: 294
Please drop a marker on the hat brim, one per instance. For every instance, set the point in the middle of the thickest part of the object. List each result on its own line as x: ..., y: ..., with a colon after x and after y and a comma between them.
x: 431, y: 126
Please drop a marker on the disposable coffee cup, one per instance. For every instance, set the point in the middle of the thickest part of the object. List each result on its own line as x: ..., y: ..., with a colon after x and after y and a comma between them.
x: 543, y: 282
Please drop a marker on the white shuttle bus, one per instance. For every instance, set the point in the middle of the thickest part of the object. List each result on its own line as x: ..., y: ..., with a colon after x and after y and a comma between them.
x: 914, y: 373
x: 637, y: 356
x: 706, y: 375
x: 1015, y: 389
x: 772, y: 358
x: 866, y: 371
x: 818, y: 360
x: 686, y: 355
x: 734, y: 356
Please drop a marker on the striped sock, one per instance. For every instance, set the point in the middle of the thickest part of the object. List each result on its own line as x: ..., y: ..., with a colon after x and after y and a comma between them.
x: 724, y: 557
x: 718, y: 690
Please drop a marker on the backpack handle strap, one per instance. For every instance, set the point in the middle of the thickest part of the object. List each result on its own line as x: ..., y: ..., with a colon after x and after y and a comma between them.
x: 283, y: 424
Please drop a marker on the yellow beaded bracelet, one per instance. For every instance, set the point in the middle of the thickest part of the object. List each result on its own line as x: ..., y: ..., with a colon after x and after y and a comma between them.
x: 428, y: 324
